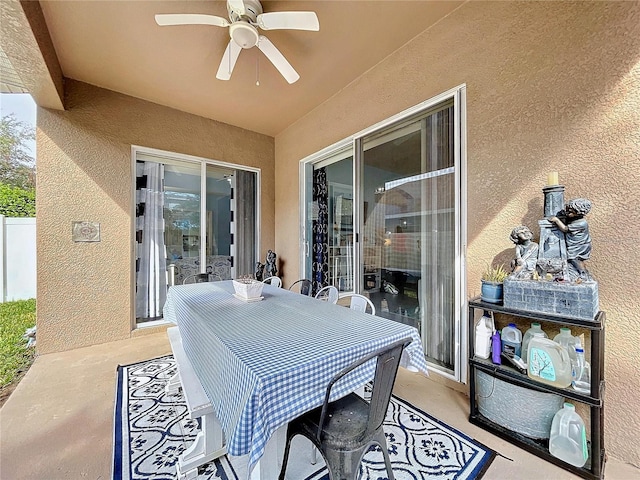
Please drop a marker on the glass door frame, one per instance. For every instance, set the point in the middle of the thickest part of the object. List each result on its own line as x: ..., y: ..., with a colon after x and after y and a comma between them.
x: 306, y: 191
x: 203, y: 162
x: 458, y: 95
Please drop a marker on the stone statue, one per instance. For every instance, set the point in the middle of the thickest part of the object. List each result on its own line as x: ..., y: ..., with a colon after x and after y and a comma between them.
x: 524, y: 265
x: 577, y: 236
x: 259, y: 271
x: 272, y: 270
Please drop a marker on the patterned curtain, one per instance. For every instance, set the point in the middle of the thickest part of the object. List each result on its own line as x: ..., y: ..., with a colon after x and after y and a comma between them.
x: 320, y: 224
x: 151, y: 263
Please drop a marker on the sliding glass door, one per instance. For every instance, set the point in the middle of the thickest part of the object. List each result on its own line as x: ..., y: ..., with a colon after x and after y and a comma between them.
x: 409, y: 228
x: 331, y: 230
x: 192, y: 216
x: 389, y: 224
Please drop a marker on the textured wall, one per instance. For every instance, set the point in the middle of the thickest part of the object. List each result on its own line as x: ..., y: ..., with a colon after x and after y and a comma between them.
x: 551, y: 86
x: 84, y: 173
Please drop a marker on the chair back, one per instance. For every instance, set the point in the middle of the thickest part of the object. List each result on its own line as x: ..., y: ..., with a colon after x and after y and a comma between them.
x: 388, y: 360
x: 303, y: 286
x: 202, y: 278
x: 359, y: 302
x: 328, y: 294
x: 273, y: 281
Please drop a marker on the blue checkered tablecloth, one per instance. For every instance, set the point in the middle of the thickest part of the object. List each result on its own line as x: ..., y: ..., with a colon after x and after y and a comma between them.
x: 265, y: 363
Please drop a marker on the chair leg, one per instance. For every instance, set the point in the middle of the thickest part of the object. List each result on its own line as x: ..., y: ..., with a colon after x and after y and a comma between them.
x: 286, y: 455
x: 343, y: 465
x: 382, y: 442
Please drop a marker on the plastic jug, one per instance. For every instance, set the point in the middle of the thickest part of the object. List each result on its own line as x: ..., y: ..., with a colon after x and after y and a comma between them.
x: 568, y: 341
x: 549, y: 362
x: 581, y: 371
x: 568, y: 439
x: 511, y: 338
x: 484, y: 330
x: 534, y: 331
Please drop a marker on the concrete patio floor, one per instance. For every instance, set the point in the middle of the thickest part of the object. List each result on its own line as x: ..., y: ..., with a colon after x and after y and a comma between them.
x: 58, y: 423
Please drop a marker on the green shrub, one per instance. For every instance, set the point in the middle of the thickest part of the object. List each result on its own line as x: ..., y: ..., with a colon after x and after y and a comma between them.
x: 15, y: 318
x: 17, y: 202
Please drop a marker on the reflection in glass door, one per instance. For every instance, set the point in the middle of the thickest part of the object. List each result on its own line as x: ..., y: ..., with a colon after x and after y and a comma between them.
x: 182, y: 211
x: 191, y: 217
x: 409, y: 227
x: 332, y: 230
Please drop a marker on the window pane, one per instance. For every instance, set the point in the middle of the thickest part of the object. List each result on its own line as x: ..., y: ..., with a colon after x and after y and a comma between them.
x: 332, y: 245
x: 218, y: 233
x: 408, y: 241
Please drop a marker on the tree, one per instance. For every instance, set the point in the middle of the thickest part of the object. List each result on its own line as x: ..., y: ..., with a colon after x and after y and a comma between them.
x: 17, y: 166
x: 17, y: 202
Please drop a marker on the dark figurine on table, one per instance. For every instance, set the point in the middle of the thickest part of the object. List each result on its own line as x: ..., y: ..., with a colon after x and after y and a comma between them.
x: 272, y: 270
x: 259, y: 271
x: 577, y: 236
x: 524, y: 264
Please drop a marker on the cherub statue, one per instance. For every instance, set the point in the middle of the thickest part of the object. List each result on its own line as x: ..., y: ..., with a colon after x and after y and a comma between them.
x: 272, y: 270
x: 577, y: 236
x: 259, y: 271
x: 524, y: 264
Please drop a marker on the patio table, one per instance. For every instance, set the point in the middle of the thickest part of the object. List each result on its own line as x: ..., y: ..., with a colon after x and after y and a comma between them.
x: 264, y: 363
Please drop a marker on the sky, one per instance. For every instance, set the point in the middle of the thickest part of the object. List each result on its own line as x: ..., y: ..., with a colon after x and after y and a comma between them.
x: 24, y: 108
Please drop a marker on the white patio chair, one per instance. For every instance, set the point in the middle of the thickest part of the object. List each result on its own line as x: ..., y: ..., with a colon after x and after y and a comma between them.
x: 328, y: 294
x: 359, y: 302
x: 273, y: 281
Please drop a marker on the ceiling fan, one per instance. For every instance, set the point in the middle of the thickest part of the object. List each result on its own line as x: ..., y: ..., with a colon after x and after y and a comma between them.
x: 245, y: 17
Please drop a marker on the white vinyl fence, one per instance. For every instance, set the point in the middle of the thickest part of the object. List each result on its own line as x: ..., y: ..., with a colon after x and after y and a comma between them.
x: 17, y: 258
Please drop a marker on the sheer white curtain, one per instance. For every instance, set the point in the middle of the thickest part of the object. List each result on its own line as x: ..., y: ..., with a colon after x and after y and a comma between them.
x: 151, y: 275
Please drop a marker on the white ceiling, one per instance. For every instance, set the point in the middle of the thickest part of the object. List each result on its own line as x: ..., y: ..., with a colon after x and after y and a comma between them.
x: 117, y: 45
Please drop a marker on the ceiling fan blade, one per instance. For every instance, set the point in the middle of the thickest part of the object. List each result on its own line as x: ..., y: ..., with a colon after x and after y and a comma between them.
x: 237, y: 6
x: 228, y: 61
x: 190, y: 19
x: 288, y: 21
x: 278, y: 60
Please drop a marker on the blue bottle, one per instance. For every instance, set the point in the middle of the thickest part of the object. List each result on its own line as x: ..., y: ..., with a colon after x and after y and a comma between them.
x: 496, y: 348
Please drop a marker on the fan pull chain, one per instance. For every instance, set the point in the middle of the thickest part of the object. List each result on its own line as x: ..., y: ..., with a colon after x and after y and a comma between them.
x: 257, y: 70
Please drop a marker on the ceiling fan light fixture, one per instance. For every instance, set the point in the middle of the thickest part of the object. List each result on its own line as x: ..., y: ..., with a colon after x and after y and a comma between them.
x: 244, y: 34
x: 246, y: 16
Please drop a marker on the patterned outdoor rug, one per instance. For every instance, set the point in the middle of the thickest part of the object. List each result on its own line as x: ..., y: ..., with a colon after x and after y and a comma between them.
x: 152, y: 429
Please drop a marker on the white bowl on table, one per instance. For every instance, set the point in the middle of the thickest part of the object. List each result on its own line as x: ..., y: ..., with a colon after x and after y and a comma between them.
x: 248, y: 289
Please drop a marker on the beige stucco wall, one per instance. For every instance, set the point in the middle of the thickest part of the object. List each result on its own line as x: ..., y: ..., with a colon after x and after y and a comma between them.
x: 551, y: 86
x: 85, y: 173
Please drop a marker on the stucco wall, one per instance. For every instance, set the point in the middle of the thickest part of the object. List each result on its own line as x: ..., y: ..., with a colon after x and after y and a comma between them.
x: 85, y: 173
x: 551, y: 86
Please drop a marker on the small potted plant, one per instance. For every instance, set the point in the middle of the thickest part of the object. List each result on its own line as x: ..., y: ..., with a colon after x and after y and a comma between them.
x: 492, y: 280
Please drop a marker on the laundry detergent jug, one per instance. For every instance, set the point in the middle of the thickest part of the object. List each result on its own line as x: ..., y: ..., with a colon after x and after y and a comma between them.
x: 484, y: 330
x: 511, y: 337
x: 548, y: 362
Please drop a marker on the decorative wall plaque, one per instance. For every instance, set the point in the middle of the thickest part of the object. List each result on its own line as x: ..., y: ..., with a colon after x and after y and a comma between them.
x: 85, y: 231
